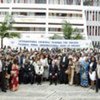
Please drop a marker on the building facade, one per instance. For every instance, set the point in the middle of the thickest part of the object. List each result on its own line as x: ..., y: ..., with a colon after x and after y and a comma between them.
x: 43, y: 18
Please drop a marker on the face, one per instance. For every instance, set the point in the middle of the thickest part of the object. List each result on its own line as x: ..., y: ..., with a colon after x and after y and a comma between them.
x: 93, y: 59
x: 86, y: 59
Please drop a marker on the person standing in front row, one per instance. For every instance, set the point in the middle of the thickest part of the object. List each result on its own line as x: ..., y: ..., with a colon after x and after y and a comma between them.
x: 4, y: 75
x: 84, y: 69
x: 98, y: 76
x: 63, y: 67
x: 38, y: 70
x: 14, y: 76
x: 53, y: 72
x: 0, y: 70
x: 92, y: 72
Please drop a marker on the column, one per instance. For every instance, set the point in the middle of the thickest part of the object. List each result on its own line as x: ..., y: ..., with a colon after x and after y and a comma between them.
x: 47, y: 11
x: 97, y: 15
x: 89, y: 15
x: 97, y: 30
x: 10, y: 8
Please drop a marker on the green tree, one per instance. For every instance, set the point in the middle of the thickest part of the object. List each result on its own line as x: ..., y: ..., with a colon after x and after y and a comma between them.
x: 56, y: 36
x: 5, y: 29
x: 88, y: 2
x: 69, y: 32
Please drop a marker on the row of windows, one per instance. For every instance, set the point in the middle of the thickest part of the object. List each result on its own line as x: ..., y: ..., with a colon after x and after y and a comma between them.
x: 5, y: 1
x: 28, y: 29
x: 92, y: 15
x: 39, y: 29
x: 36, y: 29
x: 64, y: 15
x: 69, y: 2
x: 93, y: 30
x: 23, y: 1
x: 76, y: 2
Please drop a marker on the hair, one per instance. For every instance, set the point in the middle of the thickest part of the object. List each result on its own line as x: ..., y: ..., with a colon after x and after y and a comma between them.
x: 15, y: 61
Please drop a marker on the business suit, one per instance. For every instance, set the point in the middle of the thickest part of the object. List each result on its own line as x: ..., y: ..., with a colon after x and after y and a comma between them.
x: 3, y: 77
x: 63, y: 67
x: 53, y: 74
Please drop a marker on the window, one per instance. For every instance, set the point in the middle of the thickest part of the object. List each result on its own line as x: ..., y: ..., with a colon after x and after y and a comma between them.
x: 23, y: 13
x: 96, y: 31
x: 40, y: 1
x: 99, y: 30
x: 96, y: 16
x: 93, y: 16
x: 87, y: 15
x: 40, y: 14
x: 1, y: 1
x: 93, y: 30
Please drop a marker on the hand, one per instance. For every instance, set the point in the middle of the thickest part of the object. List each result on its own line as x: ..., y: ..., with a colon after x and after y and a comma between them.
x: 55, y: 74
x: 7, y: 76
x: 62, y: 65
x: 50, y: 74
x: 90, y: 71
x: 12, y: 72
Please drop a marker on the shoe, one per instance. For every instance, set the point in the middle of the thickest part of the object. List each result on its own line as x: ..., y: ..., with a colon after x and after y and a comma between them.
x: 55, y: 83
x: 50, y: 84
x: 4, y: 91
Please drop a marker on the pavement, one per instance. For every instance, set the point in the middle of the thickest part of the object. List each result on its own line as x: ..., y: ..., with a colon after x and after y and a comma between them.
x: 50, y: 92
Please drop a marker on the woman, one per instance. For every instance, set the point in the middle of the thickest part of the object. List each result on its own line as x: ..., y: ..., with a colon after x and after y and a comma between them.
x: 98, y: 76
x: 14, y: 76
x: 39, y: 69
x: 70, y: 71
x: 84, y: 73
x: 92, y: 73
x: 77, y: 72
x: 44, y: 62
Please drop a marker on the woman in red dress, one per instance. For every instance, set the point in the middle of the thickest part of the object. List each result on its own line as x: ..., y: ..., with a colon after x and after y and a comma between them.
x: 14, y: 76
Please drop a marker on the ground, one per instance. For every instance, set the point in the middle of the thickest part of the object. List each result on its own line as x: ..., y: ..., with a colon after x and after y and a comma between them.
x: 50, y: 92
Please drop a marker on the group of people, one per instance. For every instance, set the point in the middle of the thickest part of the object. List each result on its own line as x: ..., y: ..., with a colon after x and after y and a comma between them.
x: 79, y: 67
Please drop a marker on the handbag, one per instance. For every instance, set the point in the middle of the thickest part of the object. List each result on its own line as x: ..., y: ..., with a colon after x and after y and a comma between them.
x: 84, y: 76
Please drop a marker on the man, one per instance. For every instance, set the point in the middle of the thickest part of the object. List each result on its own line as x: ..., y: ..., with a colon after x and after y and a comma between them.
x: 4, y: 76
x: 53, y: 73
x: 0, y: 69
x: 63, y: 67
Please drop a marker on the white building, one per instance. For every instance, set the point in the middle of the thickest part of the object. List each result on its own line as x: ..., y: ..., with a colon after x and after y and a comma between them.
x: 43, y: 18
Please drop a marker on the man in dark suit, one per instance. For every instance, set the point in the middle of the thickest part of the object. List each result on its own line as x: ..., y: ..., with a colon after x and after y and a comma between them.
x: 53, y: 73
x: 4, y: 76
x: 63, y: 67
x: 29, y: 73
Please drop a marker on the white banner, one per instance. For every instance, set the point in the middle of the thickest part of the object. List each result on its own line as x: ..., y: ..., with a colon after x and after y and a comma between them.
x: 48, y: 43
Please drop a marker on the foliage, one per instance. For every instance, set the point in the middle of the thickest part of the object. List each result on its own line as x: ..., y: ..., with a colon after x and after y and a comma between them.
x: 69, y: 32
x: 5, y: 29
x: 87, y: 2
x: 56, y: 36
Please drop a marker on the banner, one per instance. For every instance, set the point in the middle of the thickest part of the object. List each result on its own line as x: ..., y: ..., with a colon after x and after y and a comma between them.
x: 48, y: 43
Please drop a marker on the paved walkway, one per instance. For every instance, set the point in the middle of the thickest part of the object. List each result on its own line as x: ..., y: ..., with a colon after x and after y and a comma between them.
x: 47, y: 92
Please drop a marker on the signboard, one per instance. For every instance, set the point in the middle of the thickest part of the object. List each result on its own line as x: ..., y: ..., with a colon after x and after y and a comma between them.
x: 48, y: 43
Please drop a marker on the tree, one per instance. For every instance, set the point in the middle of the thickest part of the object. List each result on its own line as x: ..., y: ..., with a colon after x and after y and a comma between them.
x: 5, y: 28
x: 88, y: 2
x: 69, y: 32
x: 56, y: 36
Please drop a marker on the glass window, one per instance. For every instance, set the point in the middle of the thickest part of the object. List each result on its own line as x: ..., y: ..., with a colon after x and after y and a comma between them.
x: 40, y: 1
